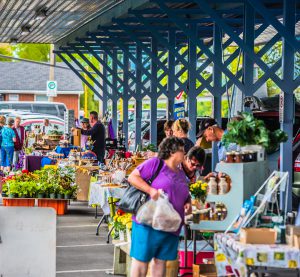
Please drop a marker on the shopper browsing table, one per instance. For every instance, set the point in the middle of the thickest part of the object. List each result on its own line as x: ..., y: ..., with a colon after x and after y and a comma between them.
x: 7, y: 145
x: 20, y: 139
x: 147, y: 243
x: 193, y: 163
x: 85, y: 125
x: 97, y: 133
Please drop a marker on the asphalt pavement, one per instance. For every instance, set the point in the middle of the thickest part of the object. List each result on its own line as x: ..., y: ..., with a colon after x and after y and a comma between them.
x: 79, y: 251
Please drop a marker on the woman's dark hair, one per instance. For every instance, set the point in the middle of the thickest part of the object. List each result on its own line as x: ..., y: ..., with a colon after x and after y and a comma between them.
x: 94, y: 114
x: 198, y: 153
x: 169, y: 146
x: 168, y: 124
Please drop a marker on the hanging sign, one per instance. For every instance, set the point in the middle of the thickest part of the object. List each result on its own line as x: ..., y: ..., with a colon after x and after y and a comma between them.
x: 179, y: 110
x: 51, y: 88
x: 281, y: 107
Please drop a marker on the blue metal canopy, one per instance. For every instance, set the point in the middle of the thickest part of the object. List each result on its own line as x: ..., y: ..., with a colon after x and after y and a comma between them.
x: 165, y: 40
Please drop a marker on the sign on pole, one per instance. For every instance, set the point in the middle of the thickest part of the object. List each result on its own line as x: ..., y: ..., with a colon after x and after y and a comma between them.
x: 51, y: 88
x: 281, y: 107
x: 179, y: 110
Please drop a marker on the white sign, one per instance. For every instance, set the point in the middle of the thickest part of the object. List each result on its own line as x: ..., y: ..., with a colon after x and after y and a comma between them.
x: 28, y: 242
x: 281, y: 107
x: 51, y: 88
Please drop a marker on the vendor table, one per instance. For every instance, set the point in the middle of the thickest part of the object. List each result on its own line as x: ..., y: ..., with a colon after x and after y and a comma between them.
x: 106, y: 198
x: 243, y: 258
x: 99, y: 195
x: 32, y: 163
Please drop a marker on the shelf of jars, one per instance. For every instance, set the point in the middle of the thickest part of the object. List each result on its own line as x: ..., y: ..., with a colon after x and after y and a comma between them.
x: 226, y: 198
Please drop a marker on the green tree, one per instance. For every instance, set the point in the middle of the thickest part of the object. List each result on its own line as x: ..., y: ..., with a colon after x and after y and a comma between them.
x: 5, y: 49
x: 31, y: 51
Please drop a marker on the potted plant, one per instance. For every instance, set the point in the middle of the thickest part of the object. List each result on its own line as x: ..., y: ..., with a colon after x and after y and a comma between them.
x: 60, y: 192
x: 41, y: 190
x: 13, y: 189
x: 251, y: 134
x: 68, y: 194
x: 199, y: 191
x: 51, y: 190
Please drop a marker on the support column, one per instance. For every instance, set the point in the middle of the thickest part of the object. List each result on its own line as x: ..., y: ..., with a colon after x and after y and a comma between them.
x: 153, y: 96
x: 126, y: 97
x: 286, y: 149
x: 192, y: 93
x: 138, y: 100
x: 115, y: 93
x: 249, y: 37
x: 217, y: 91
x: 105, y: 91
x: 171, y: 75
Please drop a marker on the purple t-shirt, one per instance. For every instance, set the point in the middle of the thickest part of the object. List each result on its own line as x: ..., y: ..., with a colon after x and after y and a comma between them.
x: 174, y: 184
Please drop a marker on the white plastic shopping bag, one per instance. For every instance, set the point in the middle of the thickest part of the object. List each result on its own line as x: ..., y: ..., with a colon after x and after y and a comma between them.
x: 159, y: 214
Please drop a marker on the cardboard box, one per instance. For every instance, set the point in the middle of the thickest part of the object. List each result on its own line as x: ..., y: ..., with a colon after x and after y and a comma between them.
x: 204, y: 270
x: 290, y: 232
x: 77, y: 137
x: 258, y: 236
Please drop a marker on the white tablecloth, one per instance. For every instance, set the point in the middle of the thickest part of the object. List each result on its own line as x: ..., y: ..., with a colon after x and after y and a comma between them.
x: 99, y: 195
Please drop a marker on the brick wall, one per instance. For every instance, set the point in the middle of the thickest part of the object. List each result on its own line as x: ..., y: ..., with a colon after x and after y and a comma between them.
x: 26, y: 97
x: 71, y: 101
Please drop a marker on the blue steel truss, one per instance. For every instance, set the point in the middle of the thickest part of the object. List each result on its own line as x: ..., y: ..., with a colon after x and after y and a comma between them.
x: 186, y: 45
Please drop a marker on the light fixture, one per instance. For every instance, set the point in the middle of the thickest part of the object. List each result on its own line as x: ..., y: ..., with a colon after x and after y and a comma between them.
x: 40, y: 15
x: 13, y: 41
x: 25, y: 30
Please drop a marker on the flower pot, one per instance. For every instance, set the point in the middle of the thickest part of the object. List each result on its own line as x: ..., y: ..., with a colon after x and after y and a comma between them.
x: 59, y: 196
x: 12, y: 195
x: 68, y: 196
x: 41, y: 195
x: 4, y: 194
x: 52, y: 195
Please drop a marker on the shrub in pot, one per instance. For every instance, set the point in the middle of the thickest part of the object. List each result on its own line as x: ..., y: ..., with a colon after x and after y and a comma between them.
x: 252, y: 131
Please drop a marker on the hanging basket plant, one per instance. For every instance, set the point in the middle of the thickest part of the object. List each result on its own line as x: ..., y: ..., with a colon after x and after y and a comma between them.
x: 252, y: 131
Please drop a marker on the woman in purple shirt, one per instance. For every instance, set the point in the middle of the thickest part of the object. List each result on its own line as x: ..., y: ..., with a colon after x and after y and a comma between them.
x: 147, y: 243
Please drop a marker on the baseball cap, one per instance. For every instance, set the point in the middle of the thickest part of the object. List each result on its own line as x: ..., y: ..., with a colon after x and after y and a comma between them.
x: 204, y: 124
x: 85, y: 120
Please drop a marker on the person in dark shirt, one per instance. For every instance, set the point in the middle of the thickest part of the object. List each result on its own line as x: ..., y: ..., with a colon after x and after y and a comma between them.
x: 97, y: 133
x: 180, y: 130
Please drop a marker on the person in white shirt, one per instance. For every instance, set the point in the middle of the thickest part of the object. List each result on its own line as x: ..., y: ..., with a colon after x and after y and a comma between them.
x: 46, y: 127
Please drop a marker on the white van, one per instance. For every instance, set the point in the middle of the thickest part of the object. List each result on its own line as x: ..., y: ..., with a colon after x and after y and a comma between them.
x: 51, y: 108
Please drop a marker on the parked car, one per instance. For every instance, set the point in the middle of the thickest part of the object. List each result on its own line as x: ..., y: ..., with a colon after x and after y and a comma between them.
x: 28, y: 119
x: 50, y: 108
x: 161, y: 113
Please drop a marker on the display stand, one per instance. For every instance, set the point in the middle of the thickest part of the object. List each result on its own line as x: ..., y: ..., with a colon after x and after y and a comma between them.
x: 246, y: 178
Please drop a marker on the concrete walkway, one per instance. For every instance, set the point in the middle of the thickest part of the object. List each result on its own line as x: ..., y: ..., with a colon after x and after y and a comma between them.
x: 79, y: 251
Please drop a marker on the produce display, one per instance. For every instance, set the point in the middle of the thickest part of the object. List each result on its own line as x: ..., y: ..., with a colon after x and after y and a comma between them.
x: 46, y: 183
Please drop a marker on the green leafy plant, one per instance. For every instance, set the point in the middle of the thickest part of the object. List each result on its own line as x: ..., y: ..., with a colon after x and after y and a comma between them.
x: 252, y: 131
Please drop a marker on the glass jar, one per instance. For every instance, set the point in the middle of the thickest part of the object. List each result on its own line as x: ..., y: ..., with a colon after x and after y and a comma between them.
x: 230, y: 156
x: 238, y: 157
x: 212, y: 186
x: 222, y: 186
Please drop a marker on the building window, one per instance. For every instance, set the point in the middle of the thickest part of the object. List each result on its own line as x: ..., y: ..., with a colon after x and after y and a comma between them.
x: 13, y: 97
x: 41, y: 98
